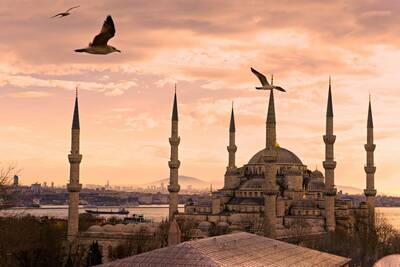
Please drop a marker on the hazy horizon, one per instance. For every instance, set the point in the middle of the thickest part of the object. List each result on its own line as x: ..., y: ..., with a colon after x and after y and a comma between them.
x: 125, y: 99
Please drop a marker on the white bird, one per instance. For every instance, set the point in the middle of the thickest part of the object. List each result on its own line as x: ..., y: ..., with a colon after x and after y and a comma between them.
x: 264, y: 82
x: 99, y: 45
x: 64, y: 14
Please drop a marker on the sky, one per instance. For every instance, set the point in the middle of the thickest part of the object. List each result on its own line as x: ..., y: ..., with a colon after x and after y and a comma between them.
x: 206, y: 48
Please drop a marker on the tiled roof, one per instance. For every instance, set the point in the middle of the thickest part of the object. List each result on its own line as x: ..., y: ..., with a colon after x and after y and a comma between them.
x: 239, y: 250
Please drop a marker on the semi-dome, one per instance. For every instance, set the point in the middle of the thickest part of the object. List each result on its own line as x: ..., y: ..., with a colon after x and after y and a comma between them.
x: 254, y: 183
x: 284, y: 157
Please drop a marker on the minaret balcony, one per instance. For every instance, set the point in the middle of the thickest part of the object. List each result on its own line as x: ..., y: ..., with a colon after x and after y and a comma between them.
x: 174, y: 188
x: 329, y: 164
x: 370, y: 169
x: 370, y: 147
x: 174, y: 164
x: 270, y: 192
x: 232, y: 149
x: 75, y: 158
x: 74, y: 187
x: 330, y: 192
x: 369, y: 192
x: 174, y: 141
x: 329, y: 139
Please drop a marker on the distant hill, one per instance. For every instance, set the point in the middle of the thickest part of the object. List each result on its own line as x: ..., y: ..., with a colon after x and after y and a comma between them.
x: 196, y: 183
x: 184, y: 182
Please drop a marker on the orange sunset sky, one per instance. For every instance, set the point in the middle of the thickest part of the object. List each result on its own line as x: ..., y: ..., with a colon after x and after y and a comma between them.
x: 207, y: 49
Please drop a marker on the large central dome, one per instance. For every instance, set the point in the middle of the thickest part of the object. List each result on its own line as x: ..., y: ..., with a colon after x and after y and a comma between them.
x: 284, y: 157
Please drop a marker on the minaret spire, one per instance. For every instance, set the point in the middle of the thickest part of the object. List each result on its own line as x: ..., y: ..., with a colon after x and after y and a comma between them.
x: 232, y: 148
x: 271, y: 123
x: 75, y: 120
x: 174, y: 163
x: 329, y: 166
x: 370, y: 168
x: 74, y: 187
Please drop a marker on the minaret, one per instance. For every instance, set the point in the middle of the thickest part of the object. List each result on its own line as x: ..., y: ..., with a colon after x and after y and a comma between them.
x: 370, y: 168
x: 329, y: 166
x: 74, y: 186
x: 270, y: 156
x: 174, y: 163
x: 232, y: 148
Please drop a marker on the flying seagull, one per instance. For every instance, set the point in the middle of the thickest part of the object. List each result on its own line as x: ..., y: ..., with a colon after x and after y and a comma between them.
x: 264, y: 82
x: 64, y: 14
x: 99, y: 45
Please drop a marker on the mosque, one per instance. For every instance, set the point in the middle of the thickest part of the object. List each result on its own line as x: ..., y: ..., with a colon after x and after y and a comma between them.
x: 275, y: 193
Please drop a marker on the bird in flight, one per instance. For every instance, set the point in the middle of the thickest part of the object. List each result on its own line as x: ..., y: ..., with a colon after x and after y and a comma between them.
x: 264, y: 82
x: 64, y: 14
x: 99, y: 45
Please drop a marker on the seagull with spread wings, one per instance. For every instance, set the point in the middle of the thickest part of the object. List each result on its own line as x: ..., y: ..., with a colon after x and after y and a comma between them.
x: 64, y: 14
x: 99, y: 45
x: 264, y: 82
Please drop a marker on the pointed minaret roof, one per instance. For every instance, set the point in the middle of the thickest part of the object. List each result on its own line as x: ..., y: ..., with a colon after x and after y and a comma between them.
x: 232, y: 127
x: 329, y: 109
x: 370, y: 123
x: 271, y: 108
x: 75, y: 120
x: 175, y: 108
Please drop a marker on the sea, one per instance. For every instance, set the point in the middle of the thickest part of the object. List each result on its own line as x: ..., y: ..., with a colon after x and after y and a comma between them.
x: 156, y: 213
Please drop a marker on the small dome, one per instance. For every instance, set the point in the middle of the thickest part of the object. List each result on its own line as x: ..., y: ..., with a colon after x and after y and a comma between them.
x: 317, y: 174
x: 95, y: 229
x: 223, y: 225
x: 108, y: 228
x: 129, y: 227
x: 120, y: 228
x: 204, y: 226
x: 284, y: 157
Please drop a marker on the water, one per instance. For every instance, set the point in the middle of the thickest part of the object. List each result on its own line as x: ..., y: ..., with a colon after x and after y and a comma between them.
x: 154, y: 212
x: 157, y: 212
x: 392, y: 214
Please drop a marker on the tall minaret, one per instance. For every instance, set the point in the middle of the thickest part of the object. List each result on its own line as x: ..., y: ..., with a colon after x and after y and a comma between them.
x: 174, y: 163
x: 74, y: 186
x: 232, y: 146
x: 329, y: 166
x: 370, y: 168
x: 270, y: 189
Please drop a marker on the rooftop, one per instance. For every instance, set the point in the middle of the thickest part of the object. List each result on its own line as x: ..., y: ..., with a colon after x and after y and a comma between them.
x: 238, y: 249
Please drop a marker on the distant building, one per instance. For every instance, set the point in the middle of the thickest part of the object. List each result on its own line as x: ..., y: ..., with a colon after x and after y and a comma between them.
x: 16, y: 180
x: 36, y: 188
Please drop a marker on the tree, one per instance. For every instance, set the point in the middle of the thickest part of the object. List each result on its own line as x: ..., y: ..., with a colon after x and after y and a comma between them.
x: 94, y: 256
x: 5, y: 180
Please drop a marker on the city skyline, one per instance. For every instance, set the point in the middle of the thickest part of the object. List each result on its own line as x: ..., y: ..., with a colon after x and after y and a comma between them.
x: 125, y: 100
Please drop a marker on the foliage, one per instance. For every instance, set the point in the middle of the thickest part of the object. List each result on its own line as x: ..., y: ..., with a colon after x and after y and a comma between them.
x: 29, y: 241
x: 367, y: 242
x: 94, y: 256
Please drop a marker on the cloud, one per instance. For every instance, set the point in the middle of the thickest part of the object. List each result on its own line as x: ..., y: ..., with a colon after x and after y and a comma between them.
x: 29, y: 94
